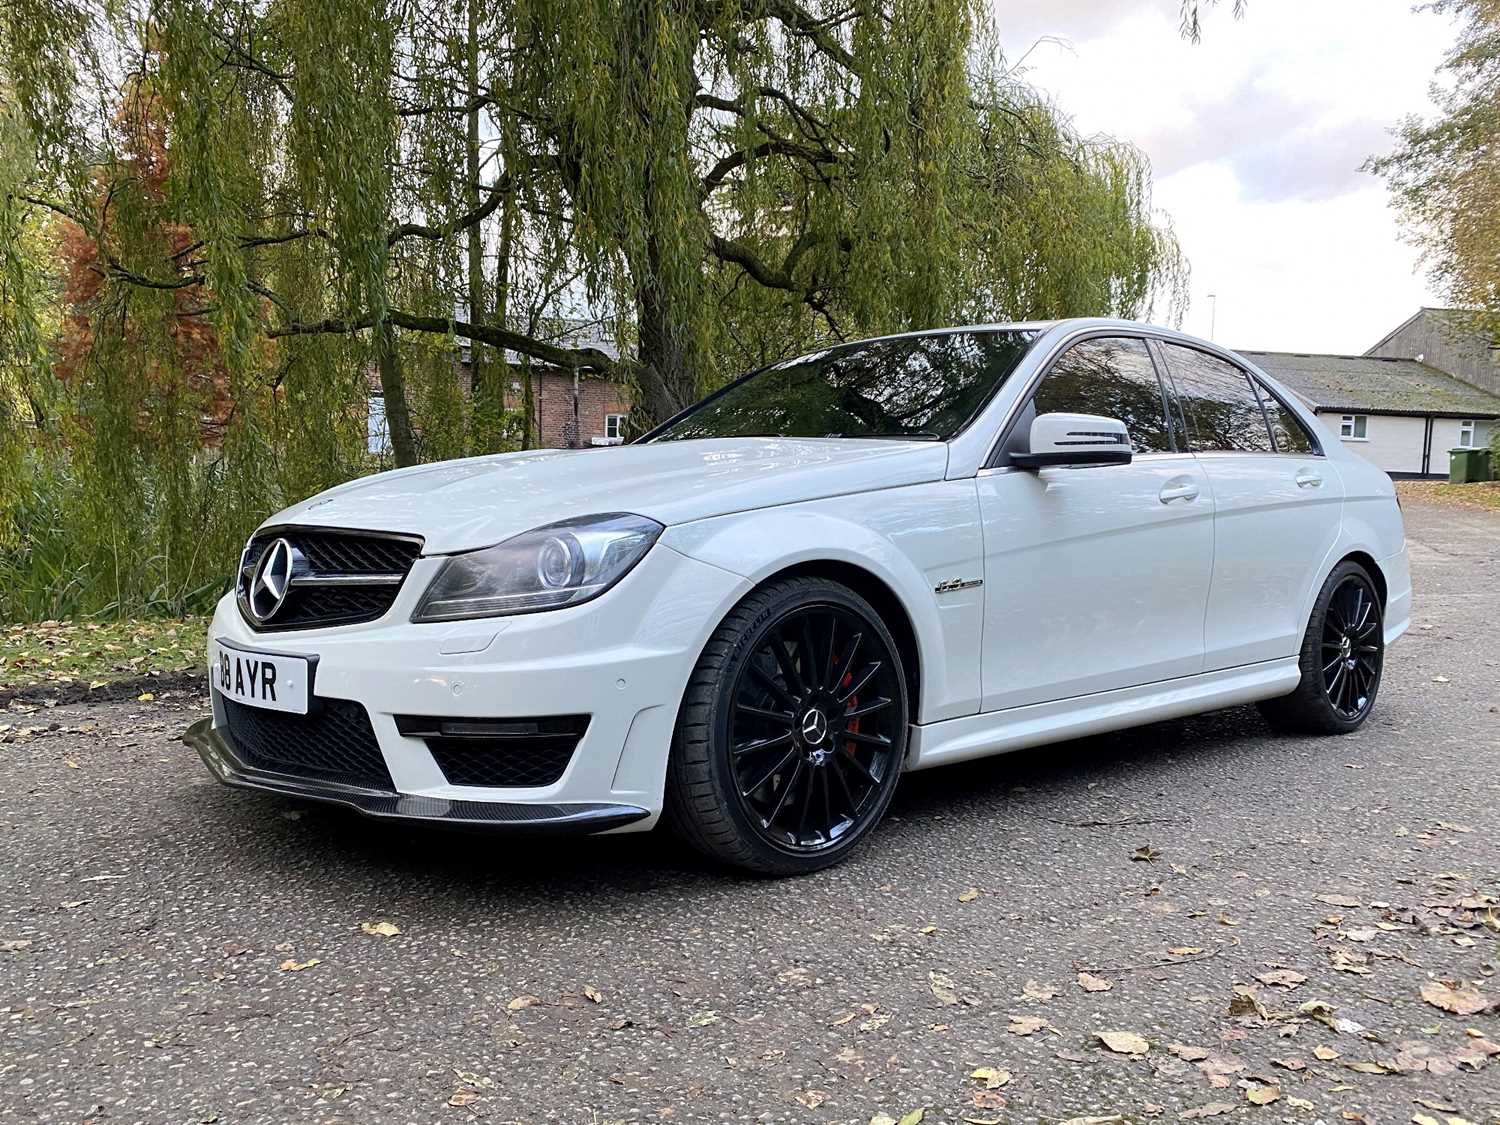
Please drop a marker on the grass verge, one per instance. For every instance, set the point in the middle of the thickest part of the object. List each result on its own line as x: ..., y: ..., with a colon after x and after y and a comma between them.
x: 97, y: 653
x: 1485, y: 495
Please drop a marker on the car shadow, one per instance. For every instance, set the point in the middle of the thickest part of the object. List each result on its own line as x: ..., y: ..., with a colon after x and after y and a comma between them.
x: 475, y: 867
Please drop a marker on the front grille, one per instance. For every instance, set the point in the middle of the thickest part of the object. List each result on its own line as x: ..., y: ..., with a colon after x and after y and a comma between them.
x: 504, y: 753
x: 334, y: 577
x: 335, y: 742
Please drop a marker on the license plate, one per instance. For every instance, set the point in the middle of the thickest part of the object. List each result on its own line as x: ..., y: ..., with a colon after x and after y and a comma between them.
x: 271, y: 680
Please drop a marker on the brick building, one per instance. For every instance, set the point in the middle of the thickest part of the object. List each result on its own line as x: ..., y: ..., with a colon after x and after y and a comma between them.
x: 571, y: 410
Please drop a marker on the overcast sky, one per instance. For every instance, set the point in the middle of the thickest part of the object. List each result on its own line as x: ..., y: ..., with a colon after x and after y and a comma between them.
x: 1256, y: 136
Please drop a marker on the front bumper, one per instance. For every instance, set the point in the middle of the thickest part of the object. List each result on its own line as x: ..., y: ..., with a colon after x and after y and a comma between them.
x: 512, y: 816
x: 623, y: 660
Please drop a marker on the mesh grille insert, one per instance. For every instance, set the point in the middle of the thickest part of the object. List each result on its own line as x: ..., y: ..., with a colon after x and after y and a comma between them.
x: 333, y: 743
x: 503, y: 753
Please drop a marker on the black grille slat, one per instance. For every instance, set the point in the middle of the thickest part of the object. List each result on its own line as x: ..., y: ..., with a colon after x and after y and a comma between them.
x: 334, y: 742
x: 337, y: 554
x: 499, y: 753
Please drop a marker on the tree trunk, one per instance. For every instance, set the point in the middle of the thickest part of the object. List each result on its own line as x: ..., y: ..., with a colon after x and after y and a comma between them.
x: 393, y: 387
x: 670, y: 364
x: 487, y: 380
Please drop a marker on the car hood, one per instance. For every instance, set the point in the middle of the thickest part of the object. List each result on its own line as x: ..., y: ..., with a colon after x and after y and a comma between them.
x: 478, y: 501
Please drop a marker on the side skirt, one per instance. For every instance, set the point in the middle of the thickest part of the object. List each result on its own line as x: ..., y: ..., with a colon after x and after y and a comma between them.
x: 998, y: 732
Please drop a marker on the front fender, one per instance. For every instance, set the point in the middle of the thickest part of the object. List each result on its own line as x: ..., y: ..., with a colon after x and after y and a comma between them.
x: 910, y: 539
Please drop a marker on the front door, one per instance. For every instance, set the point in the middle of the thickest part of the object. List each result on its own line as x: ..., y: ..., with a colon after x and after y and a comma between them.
x: 1096, y: 577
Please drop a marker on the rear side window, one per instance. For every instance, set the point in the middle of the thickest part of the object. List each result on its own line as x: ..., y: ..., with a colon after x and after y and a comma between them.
x: 1290, y: 434
x: 1223, y: 412
x: 1113, y: 377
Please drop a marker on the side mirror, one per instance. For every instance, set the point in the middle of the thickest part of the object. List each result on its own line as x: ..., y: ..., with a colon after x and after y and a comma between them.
x: 1075, y: 439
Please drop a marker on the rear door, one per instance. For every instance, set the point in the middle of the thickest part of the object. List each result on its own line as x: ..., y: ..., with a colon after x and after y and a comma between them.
x: 1095, y: 577
x: 1277, y: 506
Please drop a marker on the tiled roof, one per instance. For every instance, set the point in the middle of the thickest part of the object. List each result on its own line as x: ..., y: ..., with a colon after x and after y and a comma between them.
x: 1355, y: 383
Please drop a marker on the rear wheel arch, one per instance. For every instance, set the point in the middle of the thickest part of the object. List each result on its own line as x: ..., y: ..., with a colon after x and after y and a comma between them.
x: 1372, y: 568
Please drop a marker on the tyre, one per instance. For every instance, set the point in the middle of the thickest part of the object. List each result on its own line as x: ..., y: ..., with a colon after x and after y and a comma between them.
x: 792, y: 732
x: 1343, y: 653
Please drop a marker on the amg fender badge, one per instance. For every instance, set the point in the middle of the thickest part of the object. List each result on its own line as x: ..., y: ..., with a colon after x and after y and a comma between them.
x: 955, y: 584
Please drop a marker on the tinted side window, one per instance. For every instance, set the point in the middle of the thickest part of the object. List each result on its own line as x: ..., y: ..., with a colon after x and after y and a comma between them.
x: 1290, y: 434
x: 1222, y: 410
x: 1113, y: 377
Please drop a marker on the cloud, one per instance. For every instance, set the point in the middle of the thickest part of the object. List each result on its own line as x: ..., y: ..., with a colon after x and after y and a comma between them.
x: 1256, y: 137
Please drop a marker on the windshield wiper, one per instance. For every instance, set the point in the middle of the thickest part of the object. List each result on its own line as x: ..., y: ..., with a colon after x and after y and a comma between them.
x: 909, y: 435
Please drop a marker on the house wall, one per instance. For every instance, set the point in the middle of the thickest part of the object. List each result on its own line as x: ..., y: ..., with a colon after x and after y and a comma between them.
x: 1447, y: 344
x: 1394, y: 442
x: 597, y: 398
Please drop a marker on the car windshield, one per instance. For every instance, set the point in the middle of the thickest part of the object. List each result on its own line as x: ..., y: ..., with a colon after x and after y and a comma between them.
x: 914, y: 387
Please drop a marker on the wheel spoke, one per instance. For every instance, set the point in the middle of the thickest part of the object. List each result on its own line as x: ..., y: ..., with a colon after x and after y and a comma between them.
x: 822, y: 776
x: 781, y: 718
x: 786, y: 789
x: 757, y: 744
x: 859, y: 768
x: 809, y: 776
x: 846, y: 664
x: 864, y: 678
x: 853, y: 805
x: 788, y: 666
x: 770, y: 773
x: 1334, y: 663
x: 771, y: 685
x: 863, y: 739
x: 867, y: 708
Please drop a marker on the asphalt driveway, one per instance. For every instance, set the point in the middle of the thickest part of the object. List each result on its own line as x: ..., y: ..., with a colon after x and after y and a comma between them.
x: 1266, y: 921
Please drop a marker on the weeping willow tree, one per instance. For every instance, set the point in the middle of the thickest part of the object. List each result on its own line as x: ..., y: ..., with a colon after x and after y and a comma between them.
x: 348, y: 191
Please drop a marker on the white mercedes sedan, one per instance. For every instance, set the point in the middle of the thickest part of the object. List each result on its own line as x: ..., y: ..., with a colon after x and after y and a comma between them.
x: 881, y: 557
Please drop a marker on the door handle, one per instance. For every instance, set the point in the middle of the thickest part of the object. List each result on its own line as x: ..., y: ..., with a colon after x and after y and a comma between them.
x: 1178, y: 490
x: 1309, y: 478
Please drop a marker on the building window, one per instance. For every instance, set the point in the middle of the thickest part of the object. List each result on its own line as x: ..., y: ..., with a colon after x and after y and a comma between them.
x: 1466, y: 434
x: 1354, y: 427
x: 377, y: 433
x: 614, y: 426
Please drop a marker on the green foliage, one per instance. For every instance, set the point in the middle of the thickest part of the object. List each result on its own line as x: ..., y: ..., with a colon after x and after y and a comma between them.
x: 1445, y: 173
x: 265, y: 204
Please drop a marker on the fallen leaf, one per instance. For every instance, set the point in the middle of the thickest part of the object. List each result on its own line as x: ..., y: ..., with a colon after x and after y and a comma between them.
x: 291, y: 966
x: 1262, y: 1095
x: 697, y: 1019
x: 1282, y: 978
x: 1123, y: 1042
x: 812, y: 1099
x: 1187, y: 1053
x: 593, y: 994
x: 969, y: 895
x: 1246, y: 1002
x: 1037, y: 990
x: 1027, y: 1025
x: 1185, y: 951
x: 380, y: 929
x: 989, y: 1099
x: 15, y: 945
x: 1090, y: 983
x: 943, y: 988
x: 522, y: 1002
x: 1212, y: 1109
x: 1145, y: 854
x: 1300, y: 1103
x: 462, y: 1098
x: 1459, y: 997
x: 145, y: 697
x: 1327, y: 1054
x: 1339, y: 900
x: 1366, y: 1067
x: 913, y: 1118
x: 993, y: 1077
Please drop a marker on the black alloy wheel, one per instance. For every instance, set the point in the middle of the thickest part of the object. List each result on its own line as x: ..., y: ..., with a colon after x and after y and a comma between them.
x: 1351, y: 648
x: 793, y: 732
x: 1342, y: 658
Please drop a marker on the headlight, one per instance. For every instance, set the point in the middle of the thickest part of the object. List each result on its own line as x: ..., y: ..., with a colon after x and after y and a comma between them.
x: 559, y: 565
